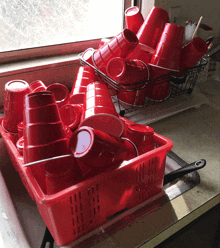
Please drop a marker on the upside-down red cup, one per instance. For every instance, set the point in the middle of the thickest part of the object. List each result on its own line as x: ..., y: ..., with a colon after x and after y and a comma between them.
x: 43, y: 114
x: 133, y: 19
x: 98, y: 149
x: 61, y: 173
x: 61, y: 93
x: 172, y: 35
x: 44, y: 134
x: 20, y: 145
x: 134, y: 98
x: 158, y: 89
x: 166, y: 56
x: 37, y: 85
x: 119, y: 46
x: 99, y: 111
x: 192, y: 52
x: 71, y: 115
x: 85, y: 75
x: 152, y: 27
x: 39, y: 99
x: 15, y: 92
x: 141, y: 136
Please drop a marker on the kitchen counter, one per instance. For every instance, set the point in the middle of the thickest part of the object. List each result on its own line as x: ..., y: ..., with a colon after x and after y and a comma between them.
x: 195, y: 134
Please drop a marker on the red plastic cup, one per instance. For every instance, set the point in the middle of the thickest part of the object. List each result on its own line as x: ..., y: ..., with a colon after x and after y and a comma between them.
x: 85, y: 76
x: 103, y: 42
x: 61, y: 173
x: 192, y: 52
x: 60, y: 92
x: 37, y: 86
x: 39, y: 99
x: 12, y: 136
x: 158, y: 89
x: 43, y: 114
x: 127, y: 71
x: 20, y: 127
x: 99, y: 111
x: 20, y: 145
x: 150, y: 31
x: 71, y: 115
x: 98, y: 149
x: 44, y: 133
x: 172, y: 35
x: 133, y: 19
x: 167, y: 57
x: 142, y: 52
x: 40, y: 152
x: 15, y: 92
x: 142, y: 136
x: 88, y: 55
x: 119, y: 46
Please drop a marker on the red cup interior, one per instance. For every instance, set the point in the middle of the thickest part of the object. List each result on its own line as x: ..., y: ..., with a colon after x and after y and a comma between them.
x: 60, y: 91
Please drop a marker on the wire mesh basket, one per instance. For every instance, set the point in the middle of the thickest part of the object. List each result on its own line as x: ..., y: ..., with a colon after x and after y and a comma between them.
x: 130, y: 97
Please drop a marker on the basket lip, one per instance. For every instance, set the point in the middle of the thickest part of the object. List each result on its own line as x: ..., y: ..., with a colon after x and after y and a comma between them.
x: 42, y: 198
x: 50, y: 199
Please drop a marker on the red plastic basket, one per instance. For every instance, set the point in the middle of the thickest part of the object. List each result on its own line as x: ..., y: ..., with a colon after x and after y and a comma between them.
x: 77, y: 210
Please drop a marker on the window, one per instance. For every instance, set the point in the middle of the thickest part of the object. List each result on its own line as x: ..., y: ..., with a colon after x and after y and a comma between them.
x: 27, y: 24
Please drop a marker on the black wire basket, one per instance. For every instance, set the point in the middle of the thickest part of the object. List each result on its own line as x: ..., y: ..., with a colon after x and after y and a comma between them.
x: 130, y: 97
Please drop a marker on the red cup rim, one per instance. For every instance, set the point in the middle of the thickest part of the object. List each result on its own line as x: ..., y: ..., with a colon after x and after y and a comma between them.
x: 86, y: 142
x: 6, y: 129
x: 19, y: 144
x: 63, y: 88
x: 146, y: 48
x: 130, y: 36
x: 87, y: 50
x: 160, y: 100
x: 113, y: 131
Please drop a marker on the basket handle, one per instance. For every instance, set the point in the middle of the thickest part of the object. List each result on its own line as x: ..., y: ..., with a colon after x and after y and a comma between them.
x: 47, y: 239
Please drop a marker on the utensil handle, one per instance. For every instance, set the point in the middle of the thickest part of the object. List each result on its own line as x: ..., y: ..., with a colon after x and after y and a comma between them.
x: 199, y: 164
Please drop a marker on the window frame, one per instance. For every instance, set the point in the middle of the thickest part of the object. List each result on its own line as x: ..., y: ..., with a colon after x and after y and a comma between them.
x: 53, y: 50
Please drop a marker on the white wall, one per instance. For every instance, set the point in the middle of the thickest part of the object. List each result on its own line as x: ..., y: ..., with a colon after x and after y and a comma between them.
x: 193, y: 9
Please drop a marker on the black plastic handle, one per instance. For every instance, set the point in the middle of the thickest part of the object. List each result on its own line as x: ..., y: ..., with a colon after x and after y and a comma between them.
x: 184, y: 170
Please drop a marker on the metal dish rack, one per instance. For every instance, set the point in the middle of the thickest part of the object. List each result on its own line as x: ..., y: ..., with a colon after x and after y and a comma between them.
x: 181, y: 82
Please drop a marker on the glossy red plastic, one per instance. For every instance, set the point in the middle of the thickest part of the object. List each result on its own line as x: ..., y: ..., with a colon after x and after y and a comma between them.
x: 44, y: 133
x: 160, y: 88
x: 88, y: 55
x: 20, y: 145
x: 172, y: 35
x: 71, y: 115
x: 141, y: 136
x: 127, y: 71
x: 60, y: 92
x: 103, y: 42
x: 75, y: 211
x: 192, y: 52
x: 85, y: 75
x: 119, y: 46
x: 37, y: 86
x: 150, y: 31
x: 60, y: 175
x: 98, y: 149
x: 99, y: 111
x: 20, y: 127
x: 15, y: 92
x: 133, y: 19
x: 141, y: 52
